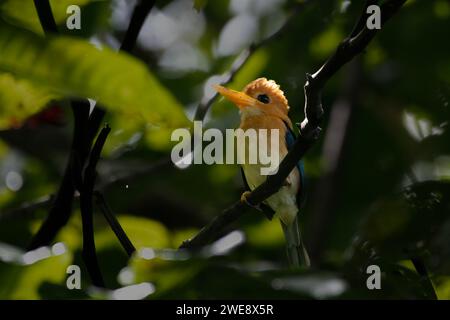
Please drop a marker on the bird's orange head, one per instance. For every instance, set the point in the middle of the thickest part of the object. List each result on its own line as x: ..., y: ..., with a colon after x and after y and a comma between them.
x: 259, y: 97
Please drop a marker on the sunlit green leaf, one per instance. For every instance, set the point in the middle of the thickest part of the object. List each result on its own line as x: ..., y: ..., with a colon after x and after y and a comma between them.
x: 77, y: 68
x: 20, y: 99
x: 443, y: 288
x: 325, y: 43
x: 141, y: 231
x: 24, y: 282
x: 144, y: 232
x: 266, y: 234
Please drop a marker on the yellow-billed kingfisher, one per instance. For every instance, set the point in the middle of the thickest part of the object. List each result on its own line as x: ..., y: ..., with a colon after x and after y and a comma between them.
x: 263, y: 105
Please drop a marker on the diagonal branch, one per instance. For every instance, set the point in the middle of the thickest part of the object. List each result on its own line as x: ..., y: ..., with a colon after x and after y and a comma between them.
x: 86, y: 206
x: 309, y: 128
x: 360, y: 24
x: 45, y: 15
x: 114, y: 223
x: 421, y: 269
x: 140, y: 13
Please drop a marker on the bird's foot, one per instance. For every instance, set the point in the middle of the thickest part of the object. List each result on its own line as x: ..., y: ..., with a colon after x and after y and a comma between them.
x: 244, y: 199
x: 267, y: 211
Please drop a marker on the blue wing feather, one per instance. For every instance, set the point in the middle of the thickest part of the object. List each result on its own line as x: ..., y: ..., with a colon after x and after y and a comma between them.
x: 290, y: 139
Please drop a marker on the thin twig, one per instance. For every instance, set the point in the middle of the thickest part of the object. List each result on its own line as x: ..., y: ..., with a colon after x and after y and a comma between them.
x: 114, y: 223
x: 421, y: 269
x: 89, y: 253
x: 309, y: 128
x: 94, y: 122
x: 27, y: 208
x: 140, y: 13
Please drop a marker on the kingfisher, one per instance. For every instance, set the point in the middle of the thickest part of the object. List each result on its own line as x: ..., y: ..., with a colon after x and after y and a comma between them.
x: 263, y: 105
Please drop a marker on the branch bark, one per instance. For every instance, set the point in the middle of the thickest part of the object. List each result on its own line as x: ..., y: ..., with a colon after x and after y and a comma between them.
x: 86, y: 194
x: 140, y: 13
x: 359, y: 38
x: 45, y: 15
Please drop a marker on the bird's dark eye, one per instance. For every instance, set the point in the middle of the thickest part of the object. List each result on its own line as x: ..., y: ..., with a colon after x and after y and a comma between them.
x: 264, y: 98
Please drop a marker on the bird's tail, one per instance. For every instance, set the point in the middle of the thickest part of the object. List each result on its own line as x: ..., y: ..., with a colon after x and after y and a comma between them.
x: 296, y: 251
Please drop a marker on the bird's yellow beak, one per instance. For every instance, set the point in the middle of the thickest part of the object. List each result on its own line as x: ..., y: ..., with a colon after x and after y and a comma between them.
x: 240, y: 99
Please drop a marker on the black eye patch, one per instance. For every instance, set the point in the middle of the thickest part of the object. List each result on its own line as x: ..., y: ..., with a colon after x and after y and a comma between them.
x: 264, y: 98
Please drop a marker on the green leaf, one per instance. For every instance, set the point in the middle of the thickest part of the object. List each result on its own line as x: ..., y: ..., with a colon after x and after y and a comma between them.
x: 324, y: 44
x: 24, y: 281
x: 19, y: 99
x: 23, y: 13
x: 141, y: 231
x: 145, y: 232
x: 77, y: 68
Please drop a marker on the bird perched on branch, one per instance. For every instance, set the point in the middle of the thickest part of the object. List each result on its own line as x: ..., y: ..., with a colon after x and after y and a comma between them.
x: 262, y: 105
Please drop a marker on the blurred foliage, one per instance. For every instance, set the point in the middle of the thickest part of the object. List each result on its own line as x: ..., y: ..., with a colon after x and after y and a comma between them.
x: 391, y: 195
x: 200, y: 4
x: 21, y: 100
x: 114, y: 79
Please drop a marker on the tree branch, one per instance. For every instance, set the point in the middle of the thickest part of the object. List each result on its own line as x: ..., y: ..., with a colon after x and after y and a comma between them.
x: 45, y: 15
x: 114, y: 223
x: 309, y: 128
x: 86, y: 193
x: 61, y: 209
x: 360, y: 24
x: 421, y: 269
x: 84, y: 133
x: 27, y: 208
x: 140, y: 12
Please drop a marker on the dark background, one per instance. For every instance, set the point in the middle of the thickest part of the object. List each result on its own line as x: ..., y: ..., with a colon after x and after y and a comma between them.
x: 378, y: 179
